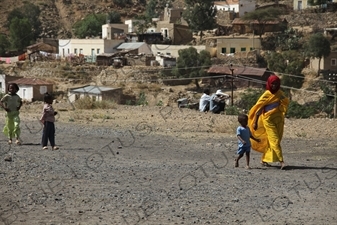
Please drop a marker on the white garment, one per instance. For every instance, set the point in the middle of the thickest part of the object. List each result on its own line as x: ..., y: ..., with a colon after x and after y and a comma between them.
x: 204, y: 101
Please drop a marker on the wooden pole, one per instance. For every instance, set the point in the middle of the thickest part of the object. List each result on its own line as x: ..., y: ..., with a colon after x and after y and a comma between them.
x: 232, y: 95
x: 335, y: 102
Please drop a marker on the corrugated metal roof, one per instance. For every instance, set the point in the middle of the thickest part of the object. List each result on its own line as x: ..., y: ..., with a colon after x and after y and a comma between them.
x: 32, y: 81
x: 244, y: 71
x: 131, y: 45
x: 90, y: 89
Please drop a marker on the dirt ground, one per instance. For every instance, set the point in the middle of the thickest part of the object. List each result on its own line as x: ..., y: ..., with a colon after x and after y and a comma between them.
x: 163, y: 165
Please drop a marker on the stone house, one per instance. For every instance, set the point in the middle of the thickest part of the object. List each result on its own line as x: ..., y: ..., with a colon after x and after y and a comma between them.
x: 173, y: 27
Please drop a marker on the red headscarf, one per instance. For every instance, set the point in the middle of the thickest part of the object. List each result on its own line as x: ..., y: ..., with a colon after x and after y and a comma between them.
x: 270, y: 80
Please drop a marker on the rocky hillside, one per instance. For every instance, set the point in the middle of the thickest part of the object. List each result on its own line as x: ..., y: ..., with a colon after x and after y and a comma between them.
x: 58, y: 16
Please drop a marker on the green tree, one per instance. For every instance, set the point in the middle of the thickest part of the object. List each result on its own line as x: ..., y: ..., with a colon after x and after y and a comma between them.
x: 150, y: 10
x: 30, y: 12
x: 145, y: 20
x: 326, y: 102
x: 91, y: 25
x: 20, y: 33
x: 200, y: 15
x: 318, y: 46
x: 291, y: 64
x: 4, y: 44
x: 293, y: 76
x: 289, y: 39
x: 114, y: 17
x: 262, y: 16
x: 142, y: 23
x: 192, y: 64
x: 249, y: 97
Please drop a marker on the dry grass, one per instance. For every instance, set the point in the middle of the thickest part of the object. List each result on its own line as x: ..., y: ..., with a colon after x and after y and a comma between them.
x: 88, y: 103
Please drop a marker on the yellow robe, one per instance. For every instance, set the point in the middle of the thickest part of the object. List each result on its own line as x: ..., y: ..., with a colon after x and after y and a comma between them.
x: 270, y: 125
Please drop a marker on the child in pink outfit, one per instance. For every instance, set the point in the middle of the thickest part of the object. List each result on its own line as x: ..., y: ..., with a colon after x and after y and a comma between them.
x: 48, y: 119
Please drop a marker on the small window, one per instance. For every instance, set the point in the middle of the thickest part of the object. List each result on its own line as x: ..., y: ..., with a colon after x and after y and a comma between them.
x: 251, y: 49
x: 333, y: 62
x: 98, y: 51
x: 243, y: 49
x: 223, y: 50
x: 232, y: 50
x: 75, y: 51
x: 68, y: 51
x: 167, y: 53
x: 81, y: 51
x: 43, y: 89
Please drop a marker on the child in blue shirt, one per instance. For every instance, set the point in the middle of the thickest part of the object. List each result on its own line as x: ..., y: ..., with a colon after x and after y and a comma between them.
x: 243, y: 133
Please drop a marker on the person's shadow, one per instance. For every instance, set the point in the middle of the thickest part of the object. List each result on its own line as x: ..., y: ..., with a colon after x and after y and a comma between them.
x: 323, y: 168
x: 292, y: 167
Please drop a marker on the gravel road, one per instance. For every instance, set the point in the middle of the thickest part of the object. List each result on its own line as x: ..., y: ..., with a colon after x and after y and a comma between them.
x: 140, y: 167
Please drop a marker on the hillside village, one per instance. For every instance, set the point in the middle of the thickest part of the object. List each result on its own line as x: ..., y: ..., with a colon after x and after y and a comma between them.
x: 120, y: 59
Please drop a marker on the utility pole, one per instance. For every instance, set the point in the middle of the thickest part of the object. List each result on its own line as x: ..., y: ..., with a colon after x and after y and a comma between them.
x: 232, y: 71
x: 333, y: 78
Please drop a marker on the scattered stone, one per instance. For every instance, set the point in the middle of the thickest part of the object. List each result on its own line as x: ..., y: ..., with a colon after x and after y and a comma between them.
x: 8, y: 158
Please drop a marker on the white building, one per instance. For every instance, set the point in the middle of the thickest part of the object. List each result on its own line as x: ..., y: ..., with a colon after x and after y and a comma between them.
x: 96, y: 93
x: 172, y: 50
x: 132, y: 28
x: 87, y: 47
x: 114, y: 31
x: 112, y: 36
x: 166, y: 61
x: 135, y: 48
x: 238, y: 6
x: 32, y: 89
x: 4, y: 80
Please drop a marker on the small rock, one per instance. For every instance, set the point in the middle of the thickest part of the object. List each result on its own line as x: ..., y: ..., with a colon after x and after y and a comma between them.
x: 8, y: 158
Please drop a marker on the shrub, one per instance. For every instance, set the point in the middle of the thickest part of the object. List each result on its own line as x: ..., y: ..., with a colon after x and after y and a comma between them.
x: 88, y: 103
x: 249, y: 97
x: 142, y: 99
x: 296, y: 110
x: 231, y: 110
x: 326, y: 103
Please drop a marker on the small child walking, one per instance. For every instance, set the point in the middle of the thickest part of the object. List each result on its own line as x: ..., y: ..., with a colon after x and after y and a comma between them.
x: 48, y: 119
x: 12, y: 103
x: 243, y: 133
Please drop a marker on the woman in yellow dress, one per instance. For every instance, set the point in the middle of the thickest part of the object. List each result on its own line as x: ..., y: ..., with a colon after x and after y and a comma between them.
x: 266, y: 118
